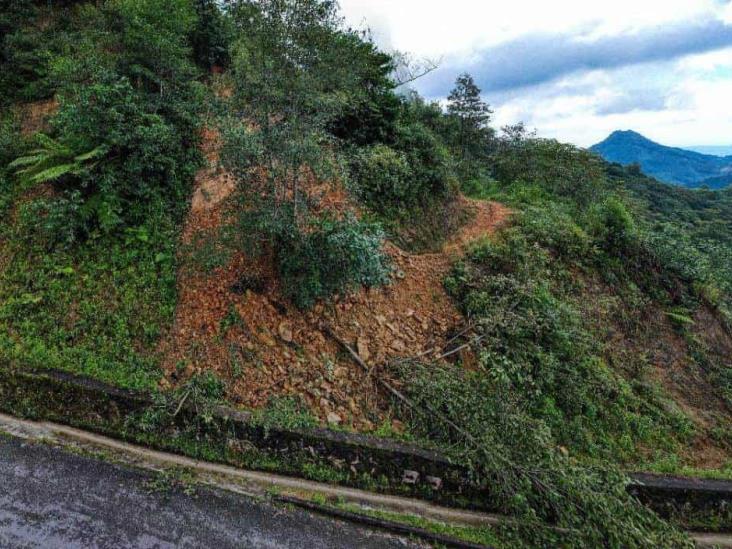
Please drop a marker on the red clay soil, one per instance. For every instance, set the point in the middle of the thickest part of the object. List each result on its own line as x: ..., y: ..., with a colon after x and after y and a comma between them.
x: 272, y: 349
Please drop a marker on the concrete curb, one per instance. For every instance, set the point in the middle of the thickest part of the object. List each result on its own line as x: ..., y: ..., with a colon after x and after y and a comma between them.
x: 404, y: 469
x: 399, y: 468
x: 257, y: 484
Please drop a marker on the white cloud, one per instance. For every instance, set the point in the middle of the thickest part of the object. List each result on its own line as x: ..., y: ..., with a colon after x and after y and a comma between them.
x: 442, y: 28
x: 727, y: 13
x: 695, y: 105
x: 680, y: 101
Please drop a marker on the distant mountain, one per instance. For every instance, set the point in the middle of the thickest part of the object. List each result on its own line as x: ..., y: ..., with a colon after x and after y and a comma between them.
x: 668, y: 164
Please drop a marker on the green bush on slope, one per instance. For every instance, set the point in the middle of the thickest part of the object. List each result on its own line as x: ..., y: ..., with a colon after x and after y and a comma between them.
x: 87, y: 277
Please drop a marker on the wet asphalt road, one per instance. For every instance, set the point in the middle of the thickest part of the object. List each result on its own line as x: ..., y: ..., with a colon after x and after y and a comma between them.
x: 53, y: 499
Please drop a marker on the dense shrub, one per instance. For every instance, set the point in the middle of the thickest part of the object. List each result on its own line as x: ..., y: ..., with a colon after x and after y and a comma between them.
x: 371, y: 116
x: 401, y: 180
x: 211, y: 37
x: 385, y: 178
x: 22, y: 61
x: 614, y: 227
x: 565, y: 171
x: 147, y: 156
x: 534, y: 340
x: 155, y: 36
x: 556, y: 230
x: 127, y: 119
x: 428, y: 158
x: 331, y: 256
x: 556, y: 501
x: 11, y: 142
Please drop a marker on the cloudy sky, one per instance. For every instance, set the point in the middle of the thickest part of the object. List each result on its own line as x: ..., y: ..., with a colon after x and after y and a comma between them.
x: 575, y: 69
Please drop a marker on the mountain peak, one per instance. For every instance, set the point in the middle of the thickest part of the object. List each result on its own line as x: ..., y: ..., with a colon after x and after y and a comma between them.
x: 630, y: 135
x: 669, y: 164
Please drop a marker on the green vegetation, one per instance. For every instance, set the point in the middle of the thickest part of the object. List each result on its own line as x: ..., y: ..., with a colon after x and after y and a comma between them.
x: 598, y: 265
x: 89, y: 227
x: 296, y: 71
x: 331, y: 257
x: 558, y: 399
x: 53, y: 161
x: 535, y: 341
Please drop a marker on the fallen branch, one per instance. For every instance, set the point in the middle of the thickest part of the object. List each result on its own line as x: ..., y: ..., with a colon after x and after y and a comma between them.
x: 433, y: 350
x: 396, y: 393
x: 460, y: 348
x: 181, y: 403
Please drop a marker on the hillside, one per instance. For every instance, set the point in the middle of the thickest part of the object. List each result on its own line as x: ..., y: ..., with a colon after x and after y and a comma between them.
x: 668, y: 164
x: 238, y: 206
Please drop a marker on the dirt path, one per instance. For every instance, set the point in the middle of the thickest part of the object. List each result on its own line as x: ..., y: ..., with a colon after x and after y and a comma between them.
x: 264, y: 347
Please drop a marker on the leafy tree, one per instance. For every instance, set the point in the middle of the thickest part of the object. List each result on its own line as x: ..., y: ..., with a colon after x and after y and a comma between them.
x: 473, y: 115
x: 297, y: 70
x: 286, y: 73
x: 371, y: 116
x: 155, y: 37
x: 560, y: 169
x: 211, y: 36
x: 465, y: 102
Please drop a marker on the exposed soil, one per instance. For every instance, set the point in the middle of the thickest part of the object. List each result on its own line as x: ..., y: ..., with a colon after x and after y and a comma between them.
x: 213, y: 185
x: 668, y: 363
x: 34, y: 116
x: 235, y: 321
x: 686, y: 383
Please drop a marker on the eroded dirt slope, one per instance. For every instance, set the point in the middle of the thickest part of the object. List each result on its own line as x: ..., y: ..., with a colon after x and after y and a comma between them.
x: 264, y: 347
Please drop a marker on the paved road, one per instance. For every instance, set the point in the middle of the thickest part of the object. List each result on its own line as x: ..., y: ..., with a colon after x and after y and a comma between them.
x: 53, y: 499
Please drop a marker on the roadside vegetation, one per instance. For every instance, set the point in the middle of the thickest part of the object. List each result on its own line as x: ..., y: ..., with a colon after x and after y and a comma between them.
x: 601, y: 281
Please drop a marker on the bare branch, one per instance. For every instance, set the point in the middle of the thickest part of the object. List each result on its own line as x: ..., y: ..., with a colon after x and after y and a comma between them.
x: 408, y: 70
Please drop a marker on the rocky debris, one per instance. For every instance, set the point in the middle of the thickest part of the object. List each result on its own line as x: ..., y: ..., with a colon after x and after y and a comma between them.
x: 213, y: 187
x: 363, y: 349
x: 278, y: 351
x: 285, y: 331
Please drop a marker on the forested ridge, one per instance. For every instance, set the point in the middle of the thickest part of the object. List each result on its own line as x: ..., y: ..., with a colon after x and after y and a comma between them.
x: 195, y: 194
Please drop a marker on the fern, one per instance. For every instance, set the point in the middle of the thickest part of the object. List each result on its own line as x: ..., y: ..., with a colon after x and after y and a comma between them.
x: 53, y: 173
x: 54, y: 160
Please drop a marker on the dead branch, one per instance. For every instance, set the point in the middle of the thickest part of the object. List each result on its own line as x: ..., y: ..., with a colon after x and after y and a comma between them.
x: 181, y: 403
x: 408, y: 70
x: 396, y: 393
